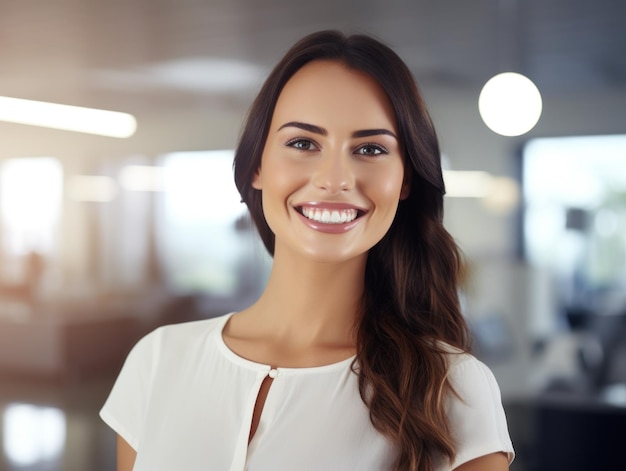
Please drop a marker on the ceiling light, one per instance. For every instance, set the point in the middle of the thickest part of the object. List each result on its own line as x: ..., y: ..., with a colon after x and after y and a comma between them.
x: 67, y: 117
x: 202, y: 75
x: 510, y: 104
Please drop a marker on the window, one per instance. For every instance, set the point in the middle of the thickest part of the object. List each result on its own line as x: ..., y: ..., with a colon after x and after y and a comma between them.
x: 31, y: 192
x: 30, y: 204
x: 207, y: 241
x: 575, y: 214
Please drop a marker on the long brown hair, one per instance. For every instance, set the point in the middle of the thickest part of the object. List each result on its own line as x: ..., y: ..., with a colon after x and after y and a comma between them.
x: 410, y: 303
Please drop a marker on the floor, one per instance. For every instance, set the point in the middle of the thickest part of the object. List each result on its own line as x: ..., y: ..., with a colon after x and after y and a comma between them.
x: 54, y: 425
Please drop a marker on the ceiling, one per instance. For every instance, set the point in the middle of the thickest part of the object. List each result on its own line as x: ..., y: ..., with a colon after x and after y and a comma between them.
x: 151, y: 56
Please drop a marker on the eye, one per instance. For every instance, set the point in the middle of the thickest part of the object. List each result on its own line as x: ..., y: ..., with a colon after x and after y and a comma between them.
x: 302, y: 144
x: 371, y: 150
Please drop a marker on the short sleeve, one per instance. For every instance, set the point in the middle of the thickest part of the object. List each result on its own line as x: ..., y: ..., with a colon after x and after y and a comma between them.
x: 125, y: 408
x: 477, y: 419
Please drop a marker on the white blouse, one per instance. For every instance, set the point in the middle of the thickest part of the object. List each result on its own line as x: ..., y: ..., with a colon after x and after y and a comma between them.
x: 184, y: 400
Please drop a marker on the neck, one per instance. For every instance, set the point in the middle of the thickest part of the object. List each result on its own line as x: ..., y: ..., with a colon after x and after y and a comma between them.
x: 310, y: 302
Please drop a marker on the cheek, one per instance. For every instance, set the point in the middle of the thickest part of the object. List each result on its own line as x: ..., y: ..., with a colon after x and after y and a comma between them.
x: 387, y: 186
x: 392, y: 188
x: 280, y: 178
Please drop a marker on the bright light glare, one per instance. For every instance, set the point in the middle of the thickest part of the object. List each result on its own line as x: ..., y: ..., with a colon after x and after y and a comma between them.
x: 201, y: 243
x: 30, y: 200
x: 67, y: 117
x: 200, y: 186
x: 584, y: 172
x: 510, y: 104
x: 94, y: 188
x: 576, y: 171
x: 33, y: 434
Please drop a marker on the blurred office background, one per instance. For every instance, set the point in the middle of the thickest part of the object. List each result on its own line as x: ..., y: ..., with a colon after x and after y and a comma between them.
x: 102, y: 239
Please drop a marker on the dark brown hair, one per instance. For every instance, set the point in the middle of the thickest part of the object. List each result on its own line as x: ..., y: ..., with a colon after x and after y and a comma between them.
x: 410, y: 303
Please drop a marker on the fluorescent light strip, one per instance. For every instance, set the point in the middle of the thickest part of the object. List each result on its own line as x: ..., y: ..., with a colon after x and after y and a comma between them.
x: 67, y: 117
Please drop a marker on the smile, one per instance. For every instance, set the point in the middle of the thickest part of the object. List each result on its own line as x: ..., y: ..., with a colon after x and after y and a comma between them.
x: 330, y: 216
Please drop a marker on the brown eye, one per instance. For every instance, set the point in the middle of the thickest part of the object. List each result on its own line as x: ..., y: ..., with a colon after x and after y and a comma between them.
x: 371, y: 150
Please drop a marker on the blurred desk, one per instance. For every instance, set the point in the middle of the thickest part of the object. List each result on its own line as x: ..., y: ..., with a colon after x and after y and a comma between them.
x: 577, y: 433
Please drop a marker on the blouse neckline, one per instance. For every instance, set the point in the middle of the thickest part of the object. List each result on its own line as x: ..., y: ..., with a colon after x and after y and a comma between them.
x: 264, y: 368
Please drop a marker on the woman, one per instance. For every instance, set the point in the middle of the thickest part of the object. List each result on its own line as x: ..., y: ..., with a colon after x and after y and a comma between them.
x: 354, y: 357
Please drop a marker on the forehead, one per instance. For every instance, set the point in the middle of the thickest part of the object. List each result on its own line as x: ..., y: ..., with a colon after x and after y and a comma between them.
x: 330, y: 93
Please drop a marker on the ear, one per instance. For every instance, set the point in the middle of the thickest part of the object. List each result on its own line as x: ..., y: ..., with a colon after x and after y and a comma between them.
x: 257, y: 180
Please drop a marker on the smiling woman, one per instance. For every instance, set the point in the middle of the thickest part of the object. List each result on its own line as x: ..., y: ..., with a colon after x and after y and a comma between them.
x: 355, y: 356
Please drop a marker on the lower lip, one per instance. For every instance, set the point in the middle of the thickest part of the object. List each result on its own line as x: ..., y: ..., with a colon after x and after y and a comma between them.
x: 329, y: 228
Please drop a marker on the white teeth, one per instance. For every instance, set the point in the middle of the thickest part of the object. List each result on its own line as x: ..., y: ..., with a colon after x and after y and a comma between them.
x: 330, y: 216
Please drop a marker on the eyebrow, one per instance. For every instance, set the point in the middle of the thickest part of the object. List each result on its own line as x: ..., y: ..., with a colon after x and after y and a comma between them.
x: 306, y: 127
x: 320, y: 130
x: 373, y: 132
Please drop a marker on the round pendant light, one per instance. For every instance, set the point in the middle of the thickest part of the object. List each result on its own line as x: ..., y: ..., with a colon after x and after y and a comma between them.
x: 510, y: 104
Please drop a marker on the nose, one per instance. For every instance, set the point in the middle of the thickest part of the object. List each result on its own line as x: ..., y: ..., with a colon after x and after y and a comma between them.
x: 333, y: 173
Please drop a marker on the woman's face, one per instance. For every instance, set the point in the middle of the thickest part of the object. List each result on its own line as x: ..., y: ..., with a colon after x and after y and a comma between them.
x: 332, y: 171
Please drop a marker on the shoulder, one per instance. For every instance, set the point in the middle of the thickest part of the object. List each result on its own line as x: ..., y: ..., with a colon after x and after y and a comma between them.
x: 472, y: 382
x: 474, y: 407
x: 189, y: 330
x: 160, y: 356
x: 465, y: 370
x: 174, y: 337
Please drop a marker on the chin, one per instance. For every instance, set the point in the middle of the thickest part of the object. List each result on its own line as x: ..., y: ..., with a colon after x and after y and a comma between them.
x: 335, y: 256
